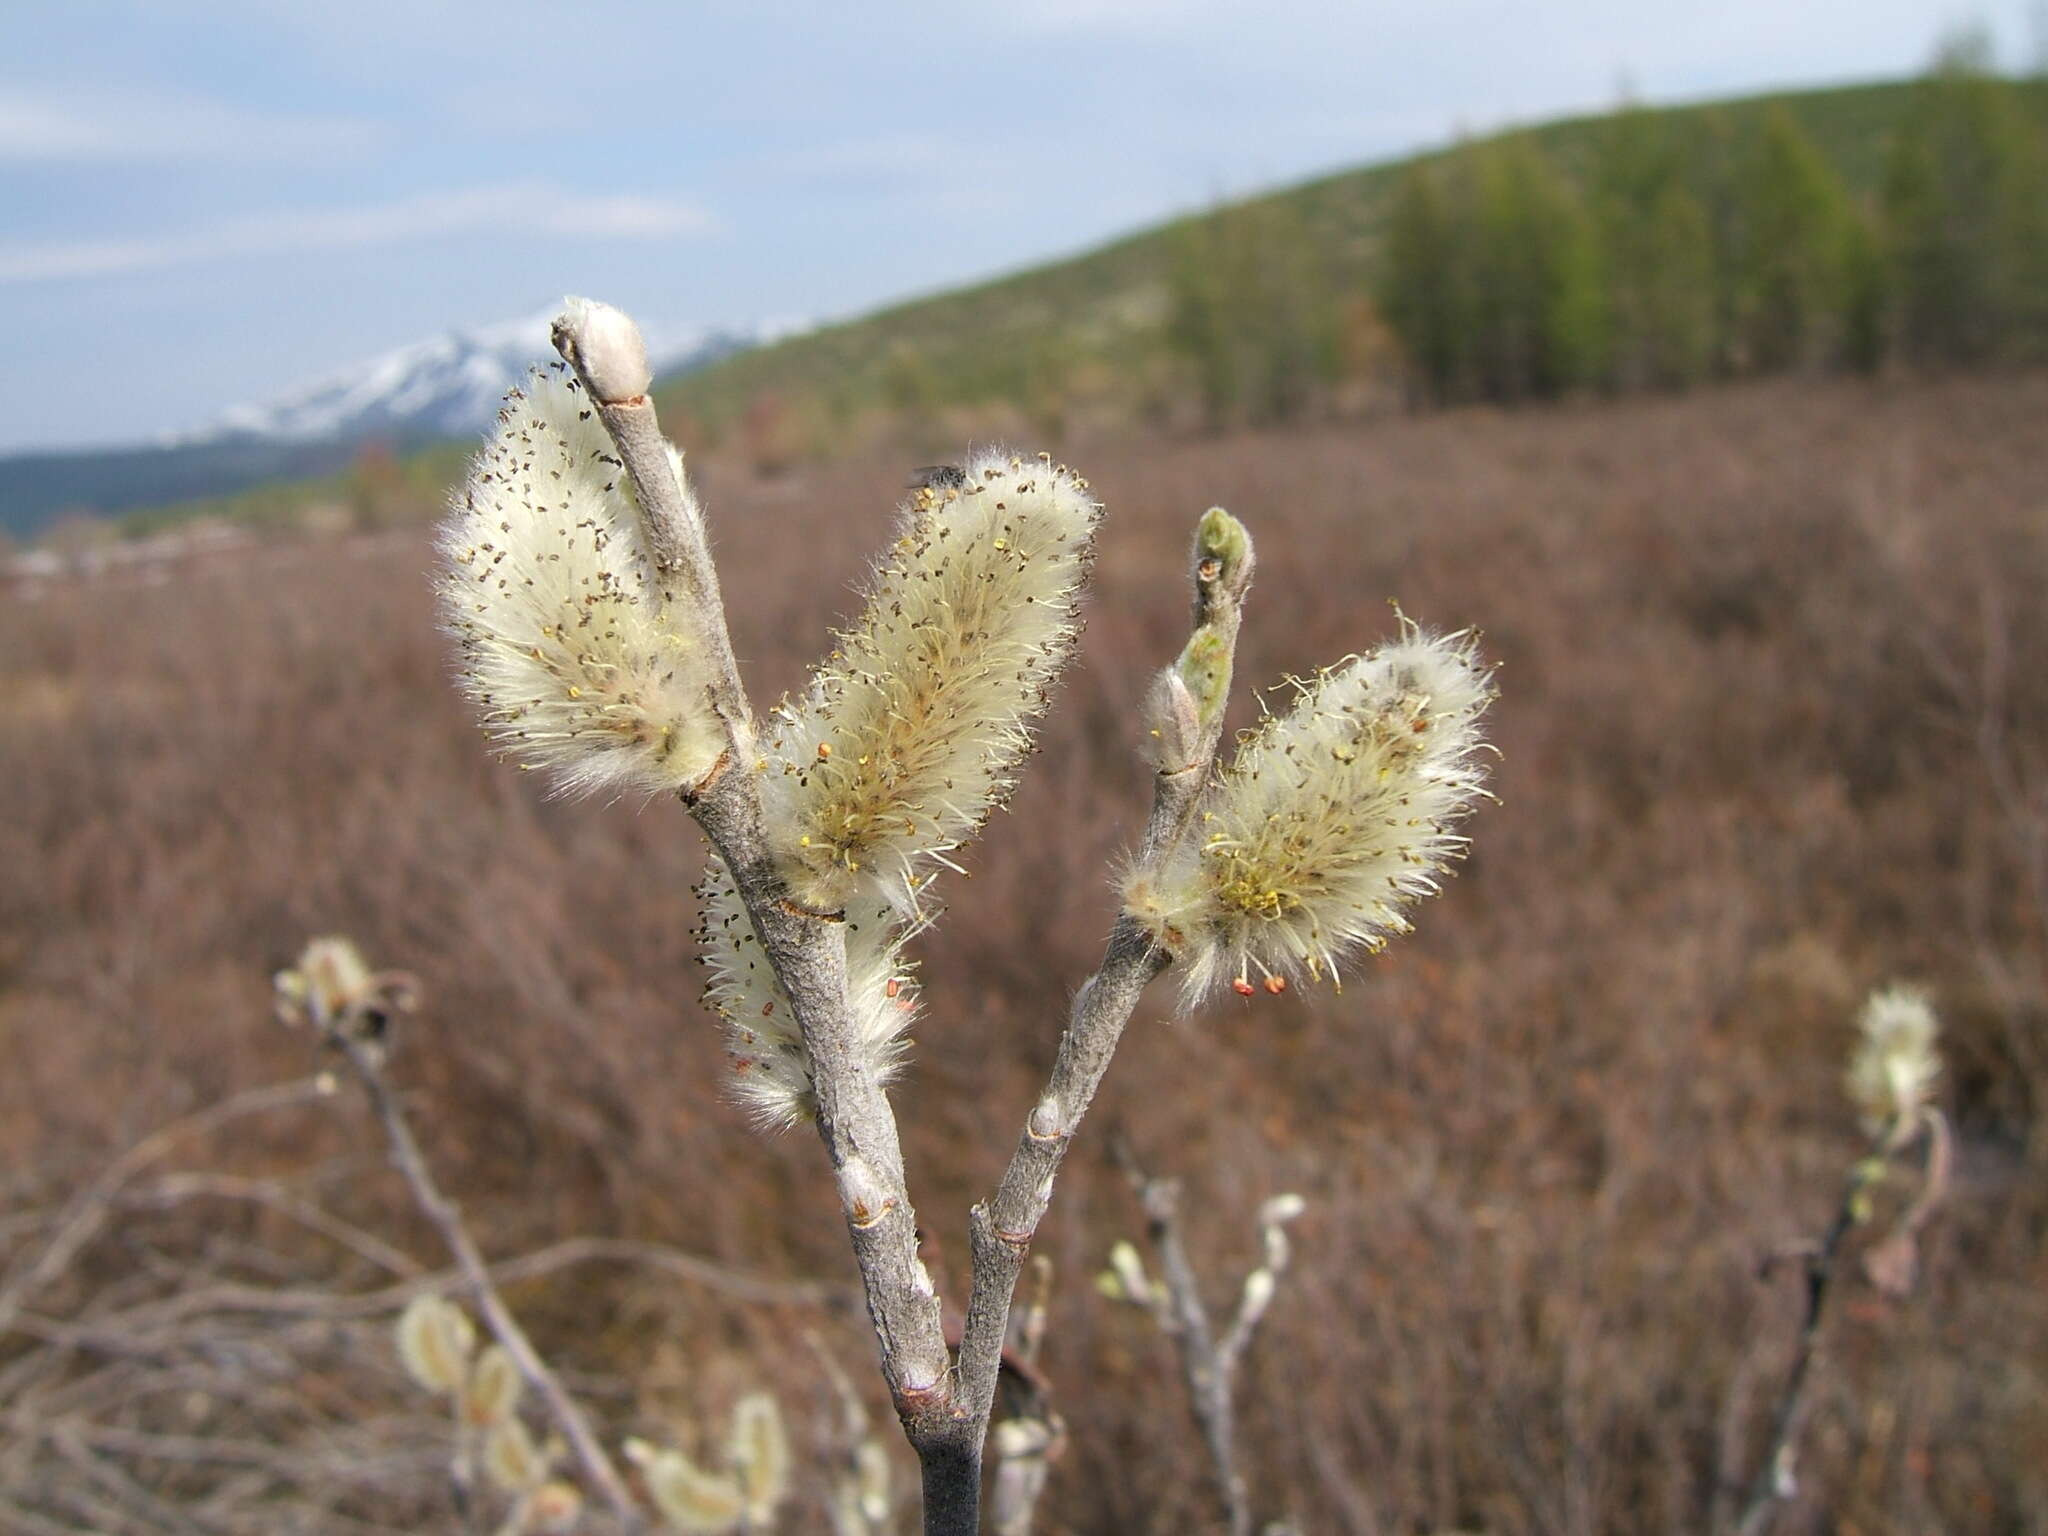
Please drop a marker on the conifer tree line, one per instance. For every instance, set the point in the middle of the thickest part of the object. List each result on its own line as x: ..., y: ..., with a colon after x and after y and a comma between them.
x: 1667, y: 251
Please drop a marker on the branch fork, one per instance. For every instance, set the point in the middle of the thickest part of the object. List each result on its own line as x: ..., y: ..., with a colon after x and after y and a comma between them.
x: 945, y: 1402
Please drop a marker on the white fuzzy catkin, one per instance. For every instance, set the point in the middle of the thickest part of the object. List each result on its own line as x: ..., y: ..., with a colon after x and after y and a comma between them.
x: 913, y: 727
x: 1332, y: 819
x: 1895, y: 1064
x: 771, y: 1068
x: 573, y: 647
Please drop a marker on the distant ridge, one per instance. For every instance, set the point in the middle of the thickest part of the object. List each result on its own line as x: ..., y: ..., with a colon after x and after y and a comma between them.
x: 446, y: 386
x: 429, y: 391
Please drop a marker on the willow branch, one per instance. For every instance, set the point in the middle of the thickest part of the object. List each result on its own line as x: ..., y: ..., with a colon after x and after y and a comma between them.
x: 1027, y: 1444
x: 1775, y: 1479
x: 806, y: 948
x: 1189, y: 721
x: 365, y: 1059
x: 1209, y: 1364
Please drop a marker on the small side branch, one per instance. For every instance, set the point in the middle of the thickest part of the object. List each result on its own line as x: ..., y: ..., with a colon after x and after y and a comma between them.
x: 1192, y: 694
x: 1776, y: 1476
x: 1207, y: 1371
x: 1891, y: 1264
x: 1208, y: 1363
x: 1027, y: 1443
x: 365, y: 1058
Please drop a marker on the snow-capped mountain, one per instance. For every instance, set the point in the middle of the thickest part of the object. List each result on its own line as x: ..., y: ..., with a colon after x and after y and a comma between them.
x: 446, y: 386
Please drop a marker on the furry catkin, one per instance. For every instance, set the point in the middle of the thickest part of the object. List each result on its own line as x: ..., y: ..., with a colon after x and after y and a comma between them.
x: 771, y: 1069
x: 572, y: 647
x: 914, y: 725
x: 1331, y: 821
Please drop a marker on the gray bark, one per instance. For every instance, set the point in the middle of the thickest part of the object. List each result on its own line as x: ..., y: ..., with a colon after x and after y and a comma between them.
x: 944, y: 1408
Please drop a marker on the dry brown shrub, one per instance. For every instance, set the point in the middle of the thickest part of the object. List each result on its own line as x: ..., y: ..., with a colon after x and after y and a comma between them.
x: 1773, y: 705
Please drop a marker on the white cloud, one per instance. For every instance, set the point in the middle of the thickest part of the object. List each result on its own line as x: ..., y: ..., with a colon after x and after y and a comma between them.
x: 75, y: 127
x: 620, y: 217
x: 512, y: 210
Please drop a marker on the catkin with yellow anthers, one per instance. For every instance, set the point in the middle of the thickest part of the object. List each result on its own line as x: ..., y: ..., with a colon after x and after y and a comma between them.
x: 1331, y: 821
x: 771, y: 1070
x: 574, y: 646
x: 1895, y: 1063
x: 911, y: 732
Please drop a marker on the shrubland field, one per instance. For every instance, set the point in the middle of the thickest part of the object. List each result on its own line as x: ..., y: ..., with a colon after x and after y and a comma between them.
x: 1773, y: 728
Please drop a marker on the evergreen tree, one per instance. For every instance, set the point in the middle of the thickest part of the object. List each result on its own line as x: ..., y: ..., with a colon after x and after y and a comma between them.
x: 1540, y: 324
x: 1966, y: 216
x: 1796, y: 239
x: 1418, y: 290
x: 1491, y: 277
x: 1866, y: 300
x: 1252, y: 313
x: 1657, y: 255
x: 1199, y: 325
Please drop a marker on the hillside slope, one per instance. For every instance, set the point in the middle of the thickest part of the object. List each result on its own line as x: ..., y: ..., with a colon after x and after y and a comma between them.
x: 1102, y: 316
x: 1087, y: 335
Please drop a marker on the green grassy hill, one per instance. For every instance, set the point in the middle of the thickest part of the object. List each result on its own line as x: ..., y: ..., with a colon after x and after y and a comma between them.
x: 1100, y: 318
x: 1088, y: 333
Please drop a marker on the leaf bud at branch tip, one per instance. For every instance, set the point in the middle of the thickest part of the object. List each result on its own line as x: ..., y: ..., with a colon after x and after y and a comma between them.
x: 1258, y: 1291
x: 1281, y: 1208
x: 1223, y: 555
x: 604, y: 346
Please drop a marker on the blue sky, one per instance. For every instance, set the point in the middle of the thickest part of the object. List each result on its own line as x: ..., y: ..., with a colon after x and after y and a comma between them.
x: 207, y: 203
